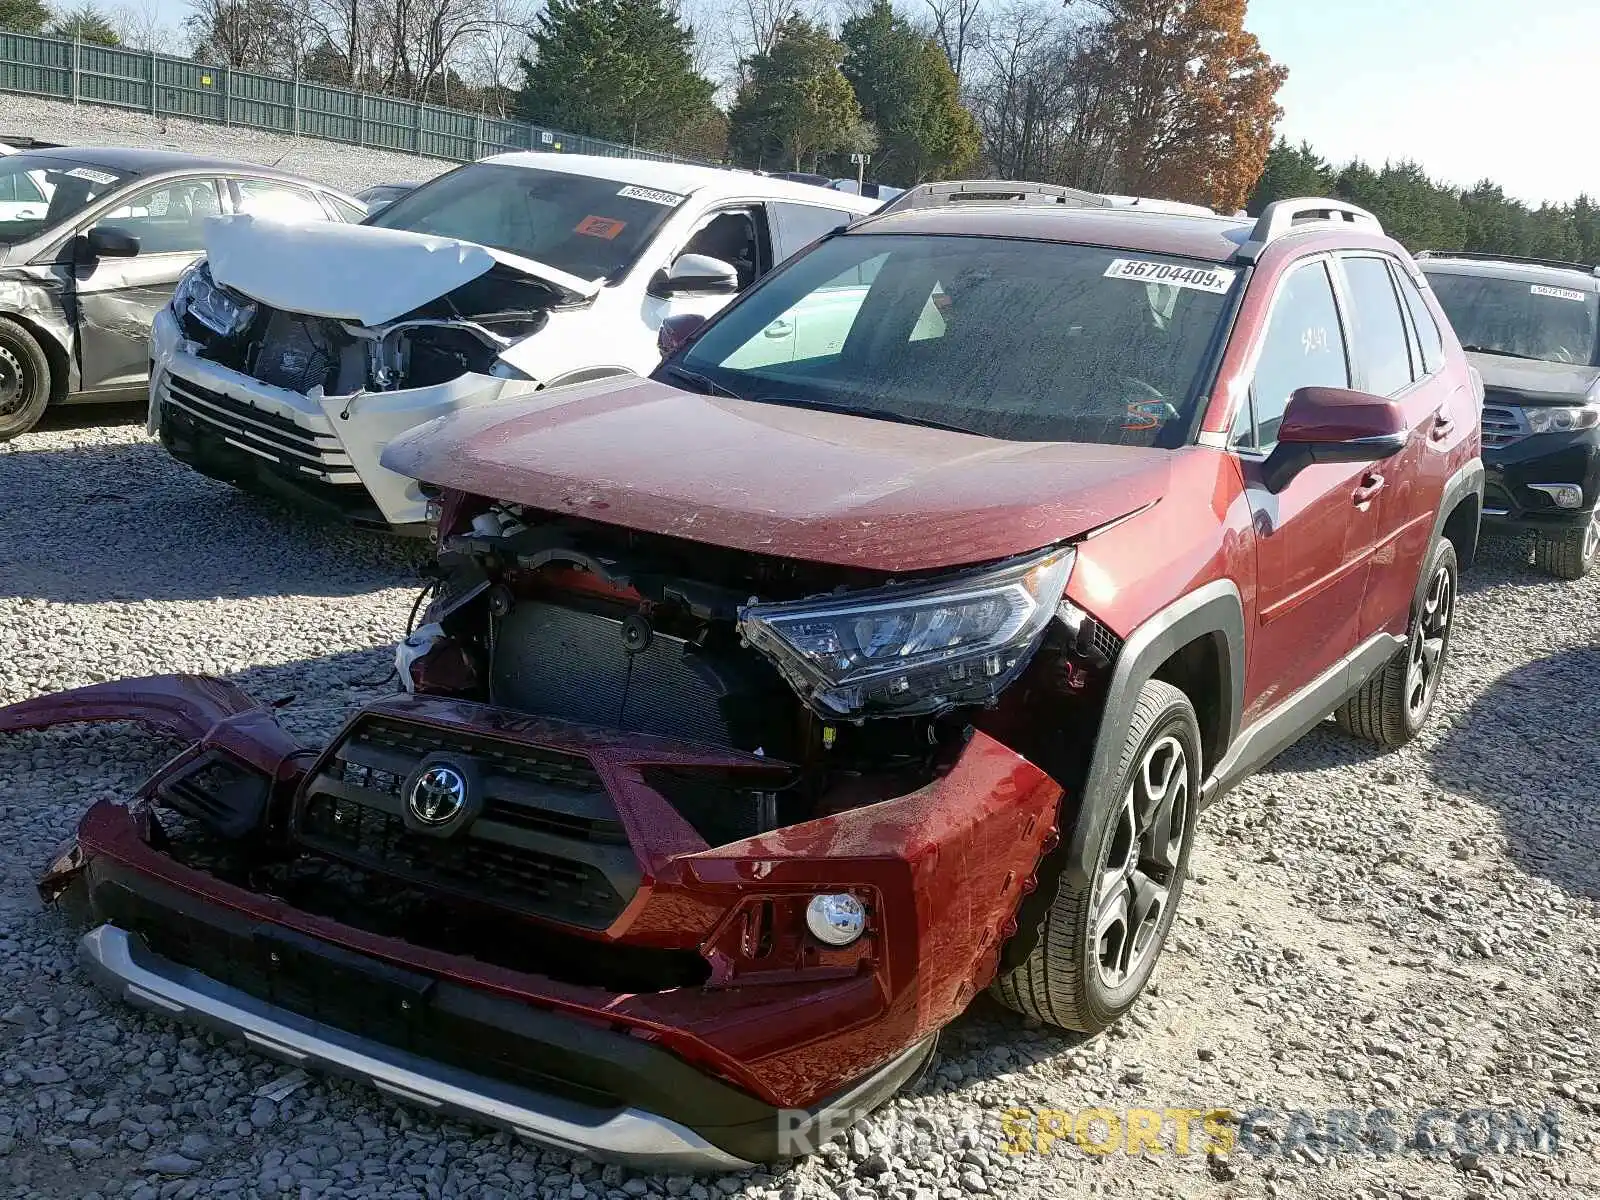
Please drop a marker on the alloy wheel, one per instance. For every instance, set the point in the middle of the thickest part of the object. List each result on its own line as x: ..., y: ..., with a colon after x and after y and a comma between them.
x: 1134, y: 883
x: 12, y: 382
x: 1429, y: 639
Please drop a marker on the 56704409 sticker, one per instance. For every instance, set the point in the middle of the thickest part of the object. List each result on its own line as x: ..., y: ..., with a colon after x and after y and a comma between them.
x: 1143, y: 270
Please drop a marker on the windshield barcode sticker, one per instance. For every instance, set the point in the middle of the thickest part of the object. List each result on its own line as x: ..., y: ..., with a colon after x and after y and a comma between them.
x: 1540, y: 289
x: 670, y: 199
x: 92, y: 175
x: 1140, y: 270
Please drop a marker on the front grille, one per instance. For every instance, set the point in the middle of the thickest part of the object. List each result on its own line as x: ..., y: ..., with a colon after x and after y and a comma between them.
x: 546, y: 843
x: 261, y: 433
x: 1503, y: 425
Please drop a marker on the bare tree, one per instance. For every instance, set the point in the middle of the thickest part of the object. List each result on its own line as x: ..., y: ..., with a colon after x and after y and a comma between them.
x: 957, y: 27
x: 140, y: 25
x: 492, y: 59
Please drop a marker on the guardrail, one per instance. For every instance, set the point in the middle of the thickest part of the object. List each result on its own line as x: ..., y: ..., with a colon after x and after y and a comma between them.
x: 166, y: 86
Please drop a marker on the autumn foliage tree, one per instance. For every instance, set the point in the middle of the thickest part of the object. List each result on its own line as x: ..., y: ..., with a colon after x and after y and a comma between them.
x: 1200, y: 98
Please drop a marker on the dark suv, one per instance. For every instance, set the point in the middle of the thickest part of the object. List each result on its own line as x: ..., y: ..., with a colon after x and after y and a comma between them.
x: 1532, y: 329
x: 765, y: 710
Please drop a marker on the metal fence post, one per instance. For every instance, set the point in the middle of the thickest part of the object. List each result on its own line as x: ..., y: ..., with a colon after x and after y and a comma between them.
x: 77, y: 45
x: 227, y: 95
x: 477, y: 136
x: 361, y: 118
x: 152, y: 81
x: 416, y: 129
x: 294, y: 100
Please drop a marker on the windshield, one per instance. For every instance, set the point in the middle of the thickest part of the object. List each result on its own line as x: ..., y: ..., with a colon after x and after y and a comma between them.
x: 591, y: 228
x: 1021, y: 340
x: 1519, y: 317
x: 38, y: 192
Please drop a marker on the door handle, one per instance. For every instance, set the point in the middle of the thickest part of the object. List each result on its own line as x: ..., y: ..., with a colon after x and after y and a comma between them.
x: 779, y: 329
x: 1442, y: 425
x: 1371, y: 484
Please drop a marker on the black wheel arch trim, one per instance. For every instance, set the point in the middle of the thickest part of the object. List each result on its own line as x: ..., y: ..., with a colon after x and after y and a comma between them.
x: 1212, y: 610
x: 1467, y: 483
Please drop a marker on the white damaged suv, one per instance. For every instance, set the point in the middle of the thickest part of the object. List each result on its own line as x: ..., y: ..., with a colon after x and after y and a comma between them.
x: 291, y: 355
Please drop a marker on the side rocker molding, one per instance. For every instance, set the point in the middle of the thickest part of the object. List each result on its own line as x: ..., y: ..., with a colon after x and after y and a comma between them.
x: 1299, y: 714
x: 1212, y: 610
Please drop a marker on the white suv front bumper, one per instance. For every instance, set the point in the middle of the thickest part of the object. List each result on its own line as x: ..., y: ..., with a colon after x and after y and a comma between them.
x: 334, y: 441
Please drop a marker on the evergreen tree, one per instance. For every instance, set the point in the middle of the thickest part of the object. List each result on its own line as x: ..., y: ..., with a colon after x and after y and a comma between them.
x: 794, y: 105
x: 88, y: 24
x: 907, y: 91
x: 24, y: 16
x: 616, y: 69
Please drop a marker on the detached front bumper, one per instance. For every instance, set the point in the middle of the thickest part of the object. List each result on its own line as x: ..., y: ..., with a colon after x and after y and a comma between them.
x: 1512, y: 501
x: 777, y: 1050
x: 319, y: 450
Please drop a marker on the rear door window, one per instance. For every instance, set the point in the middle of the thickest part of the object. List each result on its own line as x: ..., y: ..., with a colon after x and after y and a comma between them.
x: 1303, y: 346
x: 268, y: 198
x: 796, y: 226
x: 1376, y: 326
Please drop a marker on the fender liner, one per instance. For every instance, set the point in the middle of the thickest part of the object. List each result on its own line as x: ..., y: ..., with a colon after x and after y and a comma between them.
x: 1467, y: 482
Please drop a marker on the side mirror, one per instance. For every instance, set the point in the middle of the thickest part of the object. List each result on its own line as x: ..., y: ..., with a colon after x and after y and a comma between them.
x: 698, y: 274
x: 675, y: 331
x: 1331, y: 425
x: 106, y: 241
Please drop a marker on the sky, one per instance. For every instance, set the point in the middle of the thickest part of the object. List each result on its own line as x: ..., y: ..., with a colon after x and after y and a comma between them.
x: 1507, y: 90
x: 1502, y: 89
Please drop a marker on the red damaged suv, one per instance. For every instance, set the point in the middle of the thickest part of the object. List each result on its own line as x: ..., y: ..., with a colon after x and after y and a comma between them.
x: 880, y: 648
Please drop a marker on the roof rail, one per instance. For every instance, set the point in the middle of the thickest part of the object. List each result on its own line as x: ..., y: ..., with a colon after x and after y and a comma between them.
x: 1484, y: 256
x: 993, y: 191
x: 1282, y: 217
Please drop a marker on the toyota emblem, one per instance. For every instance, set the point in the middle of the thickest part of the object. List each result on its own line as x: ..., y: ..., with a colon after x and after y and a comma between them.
x: 438, y: 795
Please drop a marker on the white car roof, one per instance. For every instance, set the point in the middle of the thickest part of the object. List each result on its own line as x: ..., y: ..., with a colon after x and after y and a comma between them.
x: 685, y: 178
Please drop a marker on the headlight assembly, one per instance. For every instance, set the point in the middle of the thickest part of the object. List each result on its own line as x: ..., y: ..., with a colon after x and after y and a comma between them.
x: 911, y: 649
x: 1565, y: 419
x: 219, y: 309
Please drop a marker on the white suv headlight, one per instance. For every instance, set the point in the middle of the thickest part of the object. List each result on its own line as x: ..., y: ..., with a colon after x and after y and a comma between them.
x: 219, y: 309
x: 1565, y: 419
x: 910, y: 649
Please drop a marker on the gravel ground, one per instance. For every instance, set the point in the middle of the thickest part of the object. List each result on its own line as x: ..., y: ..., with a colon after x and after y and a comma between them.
x: 1410, y: 933
x: 349, y: 168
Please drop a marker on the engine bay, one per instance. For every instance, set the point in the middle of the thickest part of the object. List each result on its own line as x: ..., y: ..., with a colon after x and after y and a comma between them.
x: 464, y: 331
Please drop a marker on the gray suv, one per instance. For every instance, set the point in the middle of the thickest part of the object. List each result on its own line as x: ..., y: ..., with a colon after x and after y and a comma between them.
x: 1532, y: 329
x: 92, y: 241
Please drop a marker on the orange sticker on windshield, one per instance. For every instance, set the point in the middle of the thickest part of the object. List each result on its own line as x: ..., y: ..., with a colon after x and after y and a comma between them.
x: 600, y: 227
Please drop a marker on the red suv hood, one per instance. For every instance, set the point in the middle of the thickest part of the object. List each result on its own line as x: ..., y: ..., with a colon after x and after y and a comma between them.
x: 792, y: 482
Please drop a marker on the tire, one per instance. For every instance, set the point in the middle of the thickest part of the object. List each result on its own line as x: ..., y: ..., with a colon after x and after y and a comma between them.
x: 1392, y: 706
x: 1569, y: 553
x: 24, y: 380
x: 1074, y: 978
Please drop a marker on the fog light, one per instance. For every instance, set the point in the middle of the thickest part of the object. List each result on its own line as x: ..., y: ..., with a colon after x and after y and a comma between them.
x: 836, y: 920
x: 1565, y: 495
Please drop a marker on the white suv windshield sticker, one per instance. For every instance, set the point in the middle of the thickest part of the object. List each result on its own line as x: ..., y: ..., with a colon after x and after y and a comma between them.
x: 1141, y: 270
x: 670, y: 199
x: 1539, y: 289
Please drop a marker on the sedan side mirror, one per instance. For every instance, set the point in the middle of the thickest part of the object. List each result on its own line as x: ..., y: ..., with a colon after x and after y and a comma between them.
x: 697, y: 274
x: 675, y: 331
x: 1329, y: 425
x: 106, y: 241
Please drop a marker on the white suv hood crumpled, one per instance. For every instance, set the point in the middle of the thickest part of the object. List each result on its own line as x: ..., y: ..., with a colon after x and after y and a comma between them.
x: 355, y: 273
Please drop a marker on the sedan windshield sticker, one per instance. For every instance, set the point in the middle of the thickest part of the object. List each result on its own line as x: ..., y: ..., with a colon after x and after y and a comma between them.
x: 1142, y: 270
x: 92, y: 175
x: 600, y: 227
x: 669, y: 199
x: 1540, y: 289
